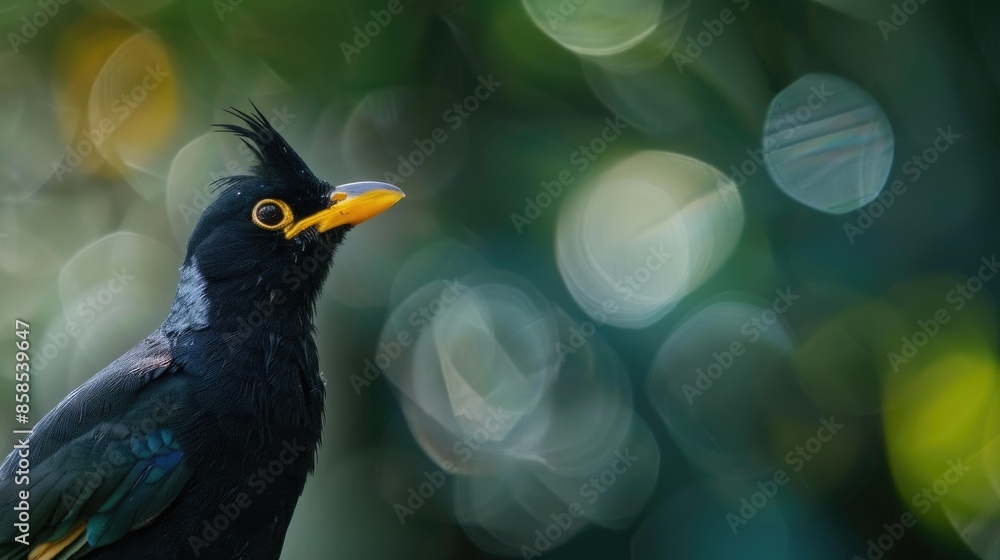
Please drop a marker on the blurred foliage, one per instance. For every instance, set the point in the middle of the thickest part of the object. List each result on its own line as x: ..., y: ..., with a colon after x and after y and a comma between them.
x: 817, y: 259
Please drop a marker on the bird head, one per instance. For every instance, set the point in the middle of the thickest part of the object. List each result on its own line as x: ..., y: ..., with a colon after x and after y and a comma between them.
x: 271, y: 234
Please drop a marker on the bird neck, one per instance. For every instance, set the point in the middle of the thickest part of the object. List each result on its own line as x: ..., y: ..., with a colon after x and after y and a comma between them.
x: 244, y: 310
x: 235, y: 334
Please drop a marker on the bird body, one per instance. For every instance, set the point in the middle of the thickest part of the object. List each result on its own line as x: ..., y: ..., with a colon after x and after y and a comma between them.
x: 198, y: 441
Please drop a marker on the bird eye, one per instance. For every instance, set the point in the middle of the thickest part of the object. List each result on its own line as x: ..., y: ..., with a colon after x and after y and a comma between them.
x: 271, y: 214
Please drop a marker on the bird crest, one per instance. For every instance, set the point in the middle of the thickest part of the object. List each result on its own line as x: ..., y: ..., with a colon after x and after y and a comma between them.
x: 274, y: 159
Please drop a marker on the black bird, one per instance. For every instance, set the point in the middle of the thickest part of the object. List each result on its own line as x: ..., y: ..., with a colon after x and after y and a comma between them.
x: 196, y: 443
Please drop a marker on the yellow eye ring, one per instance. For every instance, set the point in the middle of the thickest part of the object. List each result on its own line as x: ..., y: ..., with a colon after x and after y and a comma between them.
x: 265, y: 217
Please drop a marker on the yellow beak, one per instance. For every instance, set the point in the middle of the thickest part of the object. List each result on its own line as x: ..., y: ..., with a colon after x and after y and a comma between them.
x: 350, y: 204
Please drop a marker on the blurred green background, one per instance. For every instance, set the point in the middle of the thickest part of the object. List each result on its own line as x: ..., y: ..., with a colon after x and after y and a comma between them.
x: 672, y: 279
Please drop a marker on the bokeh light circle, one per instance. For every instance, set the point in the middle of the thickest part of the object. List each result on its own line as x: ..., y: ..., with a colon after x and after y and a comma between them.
x: 828, y: 144
x: 645, y: 234
x: 596, y: 27
x: 703, y: 381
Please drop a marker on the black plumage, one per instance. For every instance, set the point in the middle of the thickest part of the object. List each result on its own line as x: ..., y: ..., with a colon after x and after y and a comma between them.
x: 218, y: 412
